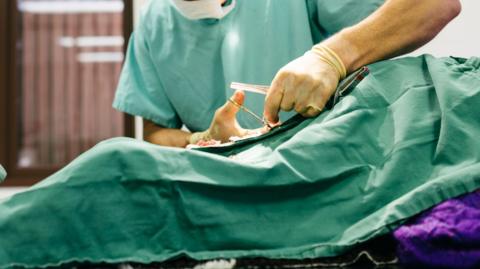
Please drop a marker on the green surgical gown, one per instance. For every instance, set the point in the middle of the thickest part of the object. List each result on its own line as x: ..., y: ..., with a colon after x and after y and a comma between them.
x: 405, y: 139
x: 177, y: 71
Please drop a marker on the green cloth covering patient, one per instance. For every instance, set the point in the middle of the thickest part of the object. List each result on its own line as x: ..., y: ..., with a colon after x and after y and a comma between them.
x: 405, y: 139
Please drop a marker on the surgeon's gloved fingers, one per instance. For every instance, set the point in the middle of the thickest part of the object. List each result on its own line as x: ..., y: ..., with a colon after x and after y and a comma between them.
x: 311, y: 111
x: 289, y: 93
x: 302, y: 97
x: 231, y: 108
x: 274, y: 98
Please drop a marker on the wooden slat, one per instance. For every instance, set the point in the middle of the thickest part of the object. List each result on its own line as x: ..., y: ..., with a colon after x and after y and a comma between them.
x: 58, y: 68
x: 73, y: 89
x: 117, y: 117
x: 3, y: 82
x: 103, y: 86
x: 87, y: 75
x: 29, y: 152
x: 42, y: 84
x: 66, y: 105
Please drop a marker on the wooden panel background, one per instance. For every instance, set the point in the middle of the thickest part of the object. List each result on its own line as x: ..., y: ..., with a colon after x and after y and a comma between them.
x: 3, y: 82
x: 65, y: 104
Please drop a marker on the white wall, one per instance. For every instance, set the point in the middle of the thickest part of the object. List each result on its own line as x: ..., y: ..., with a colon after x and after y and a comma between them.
x: 461, y: 37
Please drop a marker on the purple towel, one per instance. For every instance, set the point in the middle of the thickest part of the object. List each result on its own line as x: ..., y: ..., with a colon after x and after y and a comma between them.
x: 446, y: 236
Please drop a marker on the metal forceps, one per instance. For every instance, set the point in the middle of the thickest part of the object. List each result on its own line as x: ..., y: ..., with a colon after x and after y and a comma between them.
x: 262, y: 120
x: 261, y: 89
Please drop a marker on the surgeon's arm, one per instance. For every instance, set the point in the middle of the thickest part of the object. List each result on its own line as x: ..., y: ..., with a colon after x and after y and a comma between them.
x: 397, y: 27
x: 223, y: 126
x: 165, y: 136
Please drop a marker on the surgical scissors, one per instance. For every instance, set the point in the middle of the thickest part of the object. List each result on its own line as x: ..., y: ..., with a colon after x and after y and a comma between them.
x: 343, y: 89
x: 261, y: 89
x: 262, y: 120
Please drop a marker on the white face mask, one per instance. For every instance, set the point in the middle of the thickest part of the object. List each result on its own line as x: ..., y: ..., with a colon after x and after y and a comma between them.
x: 202, y: 9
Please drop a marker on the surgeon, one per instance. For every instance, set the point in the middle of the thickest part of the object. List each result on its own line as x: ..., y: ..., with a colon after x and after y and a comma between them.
x: 184, y: 54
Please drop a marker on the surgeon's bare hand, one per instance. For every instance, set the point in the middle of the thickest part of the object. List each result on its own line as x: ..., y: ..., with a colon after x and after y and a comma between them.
x: 224, y: 124
x: 304, y: 85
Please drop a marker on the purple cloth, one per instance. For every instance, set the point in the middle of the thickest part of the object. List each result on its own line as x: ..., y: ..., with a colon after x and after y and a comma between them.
x: 446, y: 236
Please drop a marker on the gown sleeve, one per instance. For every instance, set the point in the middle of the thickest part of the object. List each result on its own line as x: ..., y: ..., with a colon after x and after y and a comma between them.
x: 140, y: 91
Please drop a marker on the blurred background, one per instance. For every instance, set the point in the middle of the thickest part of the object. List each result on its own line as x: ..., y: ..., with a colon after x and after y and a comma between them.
x: 59, y: 65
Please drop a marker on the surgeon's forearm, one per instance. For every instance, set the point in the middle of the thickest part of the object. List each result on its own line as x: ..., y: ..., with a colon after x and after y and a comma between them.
x: 397, y: 27
x: 165, y: 136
